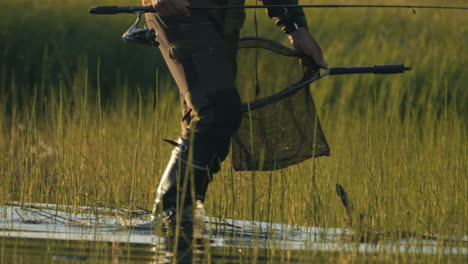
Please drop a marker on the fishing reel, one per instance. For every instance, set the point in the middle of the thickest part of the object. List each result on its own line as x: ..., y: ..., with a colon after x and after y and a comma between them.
x: 142, y: 36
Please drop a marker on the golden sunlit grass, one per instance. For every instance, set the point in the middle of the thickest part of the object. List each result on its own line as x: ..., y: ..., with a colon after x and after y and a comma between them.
x: 399, y: 143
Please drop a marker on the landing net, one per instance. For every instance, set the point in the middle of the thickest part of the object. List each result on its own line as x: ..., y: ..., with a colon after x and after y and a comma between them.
x: 280, y: 126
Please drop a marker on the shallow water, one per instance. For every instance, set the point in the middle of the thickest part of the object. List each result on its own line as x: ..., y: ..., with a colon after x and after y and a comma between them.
x: 43, y: 231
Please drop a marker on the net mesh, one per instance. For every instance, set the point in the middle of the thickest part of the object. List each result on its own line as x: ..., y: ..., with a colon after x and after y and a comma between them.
x: 274, y: 133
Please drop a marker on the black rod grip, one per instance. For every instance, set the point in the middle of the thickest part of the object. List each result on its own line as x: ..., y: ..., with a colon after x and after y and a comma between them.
x: 104, y: 10
x: 377, y: 69
x: 112, y: 10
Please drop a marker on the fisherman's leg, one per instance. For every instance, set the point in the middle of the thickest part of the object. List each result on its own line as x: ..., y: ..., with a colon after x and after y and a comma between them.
x: 201, y: 58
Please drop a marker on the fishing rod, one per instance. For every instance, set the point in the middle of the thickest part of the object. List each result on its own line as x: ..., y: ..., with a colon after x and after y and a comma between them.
x: 146, y: 36
x: 111, y: 10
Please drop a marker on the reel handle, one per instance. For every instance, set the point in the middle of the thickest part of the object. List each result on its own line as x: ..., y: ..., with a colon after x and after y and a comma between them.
x: 377, y: 69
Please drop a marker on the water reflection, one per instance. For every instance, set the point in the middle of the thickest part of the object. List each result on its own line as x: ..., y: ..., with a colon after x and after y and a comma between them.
x: 32, y: 233
x: 182, y: 250
x: 185, y: 247
x: 182, y: 245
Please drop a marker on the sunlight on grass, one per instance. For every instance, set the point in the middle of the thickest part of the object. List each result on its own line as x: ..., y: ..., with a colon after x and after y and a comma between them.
x: 83, y: 117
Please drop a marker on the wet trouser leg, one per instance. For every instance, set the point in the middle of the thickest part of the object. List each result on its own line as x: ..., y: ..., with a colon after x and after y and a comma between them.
x: 201, y: 56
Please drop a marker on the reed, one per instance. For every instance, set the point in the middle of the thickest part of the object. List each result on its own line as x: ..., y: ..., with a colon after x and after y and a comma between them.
x: 83, y: 115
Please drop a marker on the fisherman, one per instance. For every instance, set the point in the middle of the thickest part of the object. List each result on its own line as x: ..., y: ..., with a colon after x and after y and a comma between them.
x: 200, y: 47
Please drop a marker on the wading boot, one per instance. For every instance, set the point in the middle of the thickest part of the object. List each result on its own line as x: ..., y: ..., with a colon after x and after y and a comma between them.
x: 181, y: 191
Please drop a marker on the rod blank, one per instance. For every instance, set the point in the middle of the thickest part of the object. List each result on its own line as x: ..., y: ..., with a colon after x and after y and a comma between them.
x: 110, y: 10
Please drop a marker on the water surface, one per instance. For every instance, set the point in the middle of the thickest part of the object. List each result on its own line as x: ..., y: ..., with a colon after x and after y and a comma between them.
x: 52, y: 234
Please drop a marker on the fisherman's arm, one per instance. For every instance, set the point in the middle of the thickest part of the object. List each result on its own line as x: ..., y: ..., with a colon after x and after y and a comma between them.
x: 170, y: 7
x: 293, y: 22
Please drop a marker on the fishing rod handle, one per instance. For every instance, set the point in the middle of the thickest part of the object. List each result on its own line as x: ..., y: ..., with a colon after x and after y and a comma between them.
x: 377, y: 69
x: 112, y: 10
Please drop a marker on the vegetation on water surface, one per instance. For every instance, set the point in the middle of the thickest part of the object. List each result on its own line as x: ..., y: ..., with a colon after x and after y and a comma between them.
x: 83, y: 115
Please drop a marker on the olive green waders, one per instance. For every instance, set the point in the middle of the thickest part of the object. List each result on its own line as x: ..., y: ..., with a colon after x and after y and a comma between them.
x: 200, y: 51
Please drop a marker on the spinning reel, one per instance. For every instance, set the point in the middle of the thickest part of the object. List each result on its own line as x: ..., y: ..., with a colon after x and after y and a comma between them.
x: 143, y: 36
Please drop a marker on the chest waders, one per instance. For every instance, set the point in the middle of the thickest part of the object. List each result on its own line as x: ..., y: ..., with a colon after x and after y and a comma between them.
x: 200, y: 51
x: 182, y: 187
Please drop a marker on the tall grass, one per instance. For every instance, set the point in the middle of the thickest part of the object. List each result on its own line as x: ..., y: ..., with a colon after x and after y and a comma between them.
x: 82, y: 118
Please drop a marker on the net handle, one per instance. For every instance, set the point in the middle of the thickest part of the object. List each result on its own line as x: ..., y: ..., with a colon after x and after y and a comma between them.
x: 377, y: 69
x: 292, y: 89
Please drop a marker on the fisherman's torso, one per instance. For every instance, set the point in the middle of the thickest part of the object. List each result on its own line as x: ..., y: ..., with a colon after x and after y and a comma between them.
x: 231, y: 19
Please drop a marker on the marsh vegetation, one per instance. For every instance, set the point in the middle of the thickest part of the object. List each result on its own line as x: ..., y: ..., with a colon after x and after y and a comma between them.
x: 83, y: 115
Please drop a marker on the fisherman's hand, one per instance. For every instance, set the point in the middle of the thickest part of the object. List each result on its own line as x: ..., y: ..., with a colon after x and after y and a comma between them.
x: 305, y: 45
x: 172, y: 7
